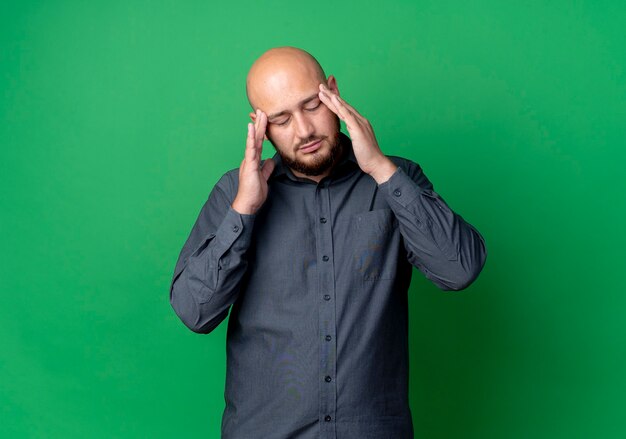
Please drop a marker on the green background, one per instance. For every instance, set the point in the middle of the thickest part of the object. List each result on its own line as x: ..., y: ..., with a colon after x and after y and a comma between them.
x: 118, y: 117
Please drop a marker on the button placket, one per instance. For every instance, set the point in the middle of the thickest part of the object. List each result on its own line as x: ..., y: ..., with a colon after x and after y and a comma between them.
x: 327, y: 319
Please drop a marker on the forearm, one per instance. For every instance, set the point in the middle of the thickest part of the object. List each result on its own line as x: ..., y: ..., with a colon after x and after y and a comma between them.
x: 440, y: 243
x: 208, y: 282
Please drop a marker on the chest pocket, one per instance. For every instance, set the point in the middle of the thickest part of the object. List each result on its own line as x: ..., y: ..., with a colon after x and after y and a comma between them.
x: 376, y: 240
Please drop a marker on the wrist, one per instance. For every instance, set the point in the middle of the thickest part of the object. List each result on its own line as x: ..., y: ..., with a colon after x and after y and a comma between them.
x: 383, y: 170
x: 241, y: 208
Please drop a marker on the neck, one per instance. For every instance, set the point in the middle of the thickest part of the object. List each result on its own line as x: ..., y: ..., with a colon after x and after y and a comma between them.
x: 315, y: 178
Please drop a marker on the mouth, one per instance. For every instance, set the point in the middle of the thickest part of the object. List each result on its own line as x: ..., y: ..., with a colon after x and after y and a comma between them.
x: 311, y: 147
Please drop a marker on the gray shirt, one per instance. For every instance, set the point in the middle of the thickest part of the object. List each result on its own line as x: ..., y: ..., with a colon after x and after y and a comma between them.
x: 317, y: 338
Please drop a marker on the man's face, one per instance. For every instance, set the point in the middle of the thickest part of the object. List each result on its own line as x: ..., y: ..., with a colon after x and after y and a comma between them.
x: 296, y: 118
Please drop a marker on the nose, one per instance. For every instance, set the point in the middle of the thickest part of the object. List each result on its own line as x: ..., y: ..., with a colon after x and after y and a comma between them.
x: 304, y: 126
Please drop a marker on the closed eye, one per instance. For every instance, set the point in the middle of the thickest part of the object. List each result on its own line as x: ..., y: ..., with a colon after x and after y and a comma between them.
x: 314, y: 108
x: 282, y: 123
x: 307, y: 109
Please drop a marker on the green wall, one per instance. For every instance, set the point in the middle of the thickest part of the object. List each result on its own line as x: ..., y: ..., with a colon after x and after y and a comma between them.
x: 116, y: 119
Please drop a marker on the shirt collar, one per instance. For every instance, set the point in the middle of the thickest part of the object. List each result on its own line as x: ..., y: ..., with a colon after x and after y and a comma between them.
x: 347, y: 162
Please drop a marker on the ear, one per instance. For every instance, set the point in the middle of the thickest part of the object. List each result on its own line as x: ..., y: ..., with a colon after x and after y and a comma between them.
x: 331, y: 83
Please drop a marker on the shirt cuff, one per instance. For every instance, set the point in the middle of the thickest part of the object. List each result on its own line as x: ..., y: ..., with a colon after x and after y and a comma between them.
x: 400, y: 188
x: 236, y: 229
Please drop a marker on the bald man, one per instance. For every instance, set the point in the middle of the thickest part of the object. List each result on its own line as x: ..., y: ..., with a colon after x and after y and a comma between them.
x: 312, y: 251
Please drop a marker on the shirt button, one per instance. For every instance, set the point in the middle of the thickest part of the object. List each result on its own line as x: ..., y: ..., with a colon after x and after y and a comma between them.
x: 326, y: 297
x: 397, y: 192
x: 235, y: 229
x: 324, y: 258
x: 328, y: 338
x: 327, y: 418
x: 328, y: 379
x: 323, y: 220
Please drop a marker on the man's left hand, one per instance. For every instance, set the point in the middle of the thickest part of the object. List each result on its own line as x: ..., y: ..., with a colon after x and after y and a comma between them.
x: 366, y: 150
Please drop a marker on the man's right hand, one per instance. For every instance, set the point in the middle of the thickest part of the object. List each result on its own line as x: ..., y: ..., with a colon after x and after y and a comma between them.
x: 253, y: 188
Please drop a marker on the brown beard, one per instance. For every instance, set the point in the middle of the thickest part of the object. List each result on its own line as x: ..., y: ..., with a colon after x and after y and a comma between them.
x: 320, y: 164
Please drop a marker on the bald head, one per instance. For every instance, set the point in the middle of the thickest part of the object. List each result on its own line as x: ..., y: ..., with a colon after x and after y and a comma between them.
x: 279, y: 70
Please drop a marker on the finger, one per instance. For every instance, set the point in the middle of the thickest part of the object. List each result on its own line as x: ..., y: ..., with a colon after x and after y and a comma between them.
x: 348, y: 106
x: 328, y: 102
x: 344, y: 114
x: 250, y: 152
x: 256, y: 119
x: 339, y: 102
x: 267, y: 168
x: 325, y: 98
x: 338, y: 108
x: 257, y: 124
x: 260, y: 132
x: 258, y: 139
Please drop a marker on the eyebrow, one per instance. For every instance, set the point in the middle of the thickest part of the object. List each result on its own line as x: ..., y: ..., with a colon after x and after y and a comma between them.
x: 302, y: 102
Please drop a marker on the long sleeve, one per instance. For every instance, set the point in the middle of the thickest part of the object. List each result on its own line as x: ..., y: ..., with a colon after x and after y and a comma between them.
x: 440, y: 243
x: 212, y: 262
